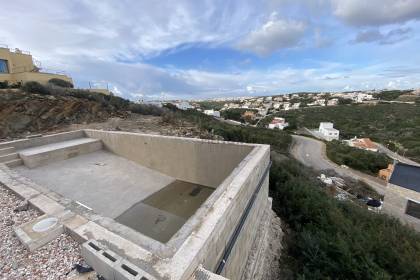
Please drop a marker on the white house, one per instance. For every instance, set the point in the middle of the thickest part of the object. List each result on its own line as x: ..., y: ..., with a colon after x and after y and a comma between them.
x: 212, y: 113
x: 184, y: 105
x: 332, y: 102
x: 295, y: 106
x: 279, y: 123
x: 328, y: 132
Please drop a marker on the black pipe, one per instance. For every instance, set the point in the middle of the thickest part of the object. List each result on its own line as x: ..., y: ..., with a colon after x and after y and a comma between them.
x: 241, y: 223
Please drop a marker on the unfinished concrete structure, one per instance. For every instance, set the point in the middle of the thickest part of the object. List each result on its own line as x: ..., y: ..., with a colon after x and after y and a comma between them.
x: 402, y: 194
x: 146, y: 206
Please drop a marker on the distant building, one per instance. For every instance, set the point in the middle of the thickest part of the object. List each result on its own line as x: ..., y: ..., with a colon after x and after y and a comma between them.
x: 17, y: 66
x: 286, y: 106
x: 332, y: 102
x: 295, y: 106
x: 328, y: 132
x: 402, y: 194
x: 277, y: 105
x: 183, y: 105
x: 262, y: 112
x: 279, y: 123
x: 212, y: 113
x: 362, y: 143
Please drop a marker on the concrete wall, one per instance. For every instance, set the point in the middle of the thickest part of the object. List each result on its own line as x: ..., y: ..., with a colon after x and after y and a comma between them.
x: 43, y: 140
x: 395, y: 203
x: 39, y: 77
x: 202, y: 162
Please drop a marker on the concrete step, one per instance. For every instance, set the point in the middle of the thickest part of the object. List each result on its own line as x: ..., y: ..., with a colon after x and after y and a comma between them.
x: 42, y: 155
x: 9, y: 157
x: 14, y: 163
x: 7, y: 150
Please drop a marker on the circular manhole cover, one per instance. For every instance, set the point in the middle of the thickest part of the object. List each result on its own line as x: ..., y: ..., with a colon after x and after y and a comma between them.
x: 44, y: 224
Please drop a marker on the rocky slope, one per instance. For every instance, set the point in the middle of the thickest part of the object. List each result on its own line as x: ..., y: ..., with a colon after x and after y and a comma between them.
x: 23, y: 113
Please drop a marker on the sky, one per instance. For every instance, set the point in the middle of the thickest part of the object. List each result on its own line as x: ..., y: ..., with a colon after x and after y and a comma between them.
x: 175, y: 49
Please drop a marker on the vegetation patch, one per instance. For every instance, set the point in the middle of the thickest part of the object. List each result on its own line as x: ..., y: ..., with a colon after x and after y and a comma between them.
x: 364, y: 161
x: 390, y: 95
x: 279, y: 140
x: 237, y: 114
x: 338, y: 240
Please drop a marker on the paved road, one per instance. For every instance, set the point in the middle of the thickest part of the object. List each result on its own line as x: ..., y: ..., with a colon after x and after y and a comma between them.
x: 311, y: 153
x: 395, y: 156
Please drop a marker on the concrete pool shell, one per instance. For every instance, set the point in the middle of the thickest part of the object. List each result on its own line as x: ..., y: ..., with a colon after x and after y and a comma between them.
x: 122, y: 190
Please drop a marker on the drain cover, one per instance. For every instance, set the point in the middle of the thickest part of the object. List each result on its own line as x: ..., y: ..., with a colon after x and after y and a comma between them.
x: 44, y: 224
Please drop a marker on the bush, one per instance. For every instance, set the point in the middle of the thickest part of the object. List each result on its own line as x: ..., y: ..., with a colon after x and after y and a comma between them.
x: 146, y: 109
x: 35, y: 87
x: 344, y: 101
x: 60, y: 83
x: 4, y: 85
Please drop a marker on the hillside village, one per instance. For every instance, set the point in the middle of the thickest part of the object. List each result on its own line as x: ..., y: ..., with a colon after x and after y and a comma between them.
x: 256, y: 108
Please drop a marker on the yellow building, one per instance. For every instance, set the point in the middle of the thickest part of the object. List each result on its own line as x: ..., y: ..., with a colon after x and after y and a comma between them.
x: 18, y: 67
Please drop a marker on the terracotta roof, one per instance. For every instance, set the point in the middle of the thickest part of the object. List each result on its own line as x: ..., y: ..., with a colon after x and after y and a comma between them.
x: 364, y: 143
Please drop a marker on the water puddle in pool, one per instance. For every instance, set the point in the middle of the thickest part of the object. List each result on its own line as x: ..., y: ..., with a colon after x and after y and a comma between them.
x: 162, y: 214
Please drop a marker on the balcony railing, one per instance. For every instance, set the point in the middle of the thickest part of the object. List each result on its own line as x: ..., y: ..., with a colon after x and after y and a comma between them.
x: 15, y: 50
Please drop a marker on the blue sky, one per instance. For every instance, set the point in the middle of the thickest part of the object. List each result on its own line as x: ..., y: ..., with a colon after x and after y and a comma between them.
x: 206, y: 49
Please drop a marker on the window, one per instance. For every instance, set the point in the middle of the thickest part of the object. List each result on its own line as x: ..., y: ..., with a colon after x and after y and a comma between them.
x: 3, y: 66
x: 413, y: 209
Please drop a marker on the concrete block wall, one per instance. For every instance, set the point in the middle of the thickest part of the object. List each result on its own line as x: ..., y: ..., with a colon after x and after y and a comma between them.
x: 395, y: 204
x: 197, y: 161
x: 236, y: 263
x: 110, y: 265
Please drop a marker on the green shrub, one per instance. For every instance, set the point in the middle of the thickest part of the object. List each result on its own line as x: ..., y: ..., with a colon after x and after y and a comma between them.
x: 146, y: 109
x: 365, y: 161
x: 4, y: 85
x: 60, y: 83
x: 35, y: 87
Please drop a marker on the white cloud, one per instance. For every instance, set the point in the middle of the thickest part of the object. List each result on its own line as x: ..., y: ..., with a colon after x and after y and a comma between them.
x: 376, y: 12
x: 391, y: 37
x: 111, y: 40
x: 137, y: 80
x: 273, y: 35
x: 124, y: 30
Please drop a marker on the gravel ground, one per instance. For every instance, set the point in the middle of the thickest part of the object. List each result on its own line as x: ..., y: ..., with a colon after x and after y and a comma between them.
x: 53, y: 261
